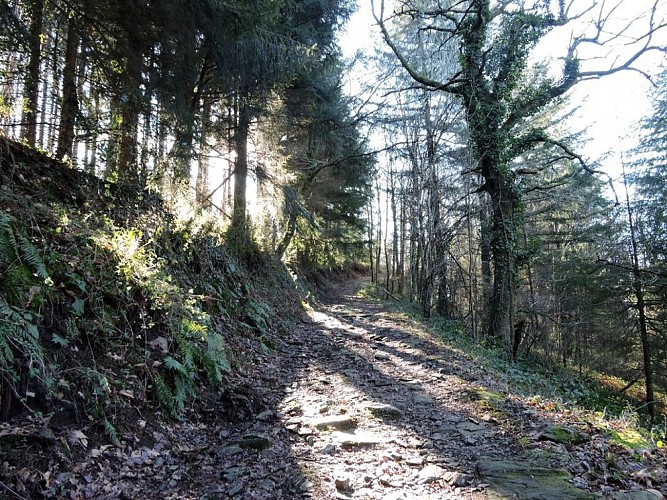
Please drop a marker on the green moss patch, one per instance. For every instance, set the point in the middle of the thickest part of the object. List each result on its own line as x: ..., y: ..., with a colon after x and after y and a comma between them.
x: 523, y: 480
x: 564, y: 435
x: 488, y: 399
x: 628, y: 438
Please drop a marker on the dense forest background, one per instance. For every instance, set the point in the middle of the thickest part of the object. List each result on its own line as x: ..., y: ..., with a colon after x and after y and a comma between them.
x: 453, y: 174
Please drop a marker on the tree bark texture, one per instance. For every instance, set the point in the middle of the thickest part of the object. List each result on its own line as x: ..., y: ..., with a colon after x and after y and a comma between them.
x: 241, y: 166
x: 32, y: 78
x: 70, y: 103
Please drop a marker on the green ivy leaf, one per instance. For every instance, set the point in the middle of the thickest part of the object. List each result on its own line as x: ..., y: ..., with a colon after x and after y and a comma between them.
x: 62, y: 341
x: 78, y: 306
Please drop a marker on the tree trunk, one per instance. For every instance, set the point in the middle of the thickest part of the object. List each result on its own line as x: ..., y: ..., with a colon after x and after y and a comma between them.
x: 241, y: 167
x: 70, y: 102
x: 378, y: 246
x: 54, y: 90
x: 36, y: 8
x: 201, y: 186
x: 289, y: 234
x: 638, y: 289
x: 130, y: 108
x: 371, y: 231
x: 503, y: 229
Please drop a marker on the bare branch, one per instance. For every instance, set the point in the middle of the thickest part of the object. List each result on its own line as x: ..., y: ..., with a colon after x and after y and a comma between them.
x: 582, y: 163
x: 452, y: 86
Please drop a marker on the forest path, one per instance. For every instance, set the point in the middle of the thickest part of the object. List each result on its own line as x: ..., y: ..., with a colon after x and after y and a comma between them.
x: 375, y: 407
x: 360, y: 402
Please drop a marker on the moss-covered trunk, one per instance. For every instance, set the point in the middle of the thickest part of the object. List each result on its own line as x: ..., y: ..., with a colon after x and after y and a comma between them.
x: 503, y: 229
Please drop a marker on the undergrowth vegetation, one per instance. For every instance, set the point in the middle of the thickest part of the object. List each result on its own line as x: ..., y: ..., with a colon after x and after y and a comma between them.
x: 109, y: 304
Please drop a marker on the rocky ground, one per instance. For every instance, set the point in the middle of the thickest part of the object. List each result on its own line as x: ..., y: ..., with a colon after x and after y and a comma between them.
x: 361, y: 402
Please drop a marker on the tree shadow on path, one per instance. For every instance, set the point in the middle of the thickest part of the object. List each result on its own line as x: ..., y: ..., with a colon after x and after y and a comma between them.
x: 441, y: 414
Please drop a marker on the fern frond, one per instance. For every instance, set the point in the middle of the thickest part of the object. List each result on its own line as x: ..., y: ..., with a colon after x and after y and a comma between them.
x: 165, y: 395
x: 7, y: 330
x: 30, y: 255
x: 172, y: 364
x: 111, y: 431
x: 8, y: 244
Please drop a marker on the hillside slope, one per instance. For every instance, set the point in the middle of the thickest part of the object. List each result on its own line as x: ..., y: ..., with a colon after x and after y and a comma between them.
x: 113, y: 313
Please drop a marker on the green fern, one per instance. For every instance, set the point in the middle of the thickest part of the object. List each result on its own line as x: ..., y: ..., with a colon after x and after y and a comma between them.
x: 111, y: 431
x: 18, y: 248
x: 165, y: 396
x: 19, y: 345
x: 198, y: 350
x: 8, y: 243
x: 20, y: 262
x: 176, y: 366
x: 7, y: 331
x: 214, y: 360
x: 30, y: 255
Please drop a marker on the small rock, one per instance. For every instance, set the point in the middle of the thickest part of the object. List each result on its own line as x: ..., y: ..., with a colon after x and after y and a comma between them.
x: 232, y: 473
x: 564, y: 435
x: 236, y: 489
x: 382, y: 410
x: 381, y: 356
x: 356, y: 440
x: 329, y: 449
x: 415, y: 462
x: 423, y: 399
x: 457, y: 479
x: 335, y: 421
x: 233, y: 449
x: 472, y: 432
x: 381, y: 382
x: 305, y: 486
x: 264, y: 415
x: 267, y: 484
x: 255, y: 442
x: 430, y: 473
x: 388, y: 480
x: 342, y: 482
x: 638, y: 495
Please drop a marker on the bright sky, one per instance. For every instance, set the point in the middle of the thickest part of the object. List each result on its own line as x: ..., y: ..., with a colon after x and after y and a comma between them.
x: 610, y: 107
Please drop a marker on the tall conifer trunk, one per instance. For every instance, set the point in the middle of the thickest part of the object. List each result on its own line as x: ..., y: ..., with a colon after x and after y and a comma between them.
x: 32, y: 78
x: 70, y: 102
x: 241, y: 166
x: 130, y: 108
x: 638, y: 290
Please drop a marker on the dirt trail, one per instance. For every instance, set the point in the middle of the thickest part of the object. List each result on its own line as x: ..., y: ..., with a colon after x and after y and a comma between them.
x: 359, y: 403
